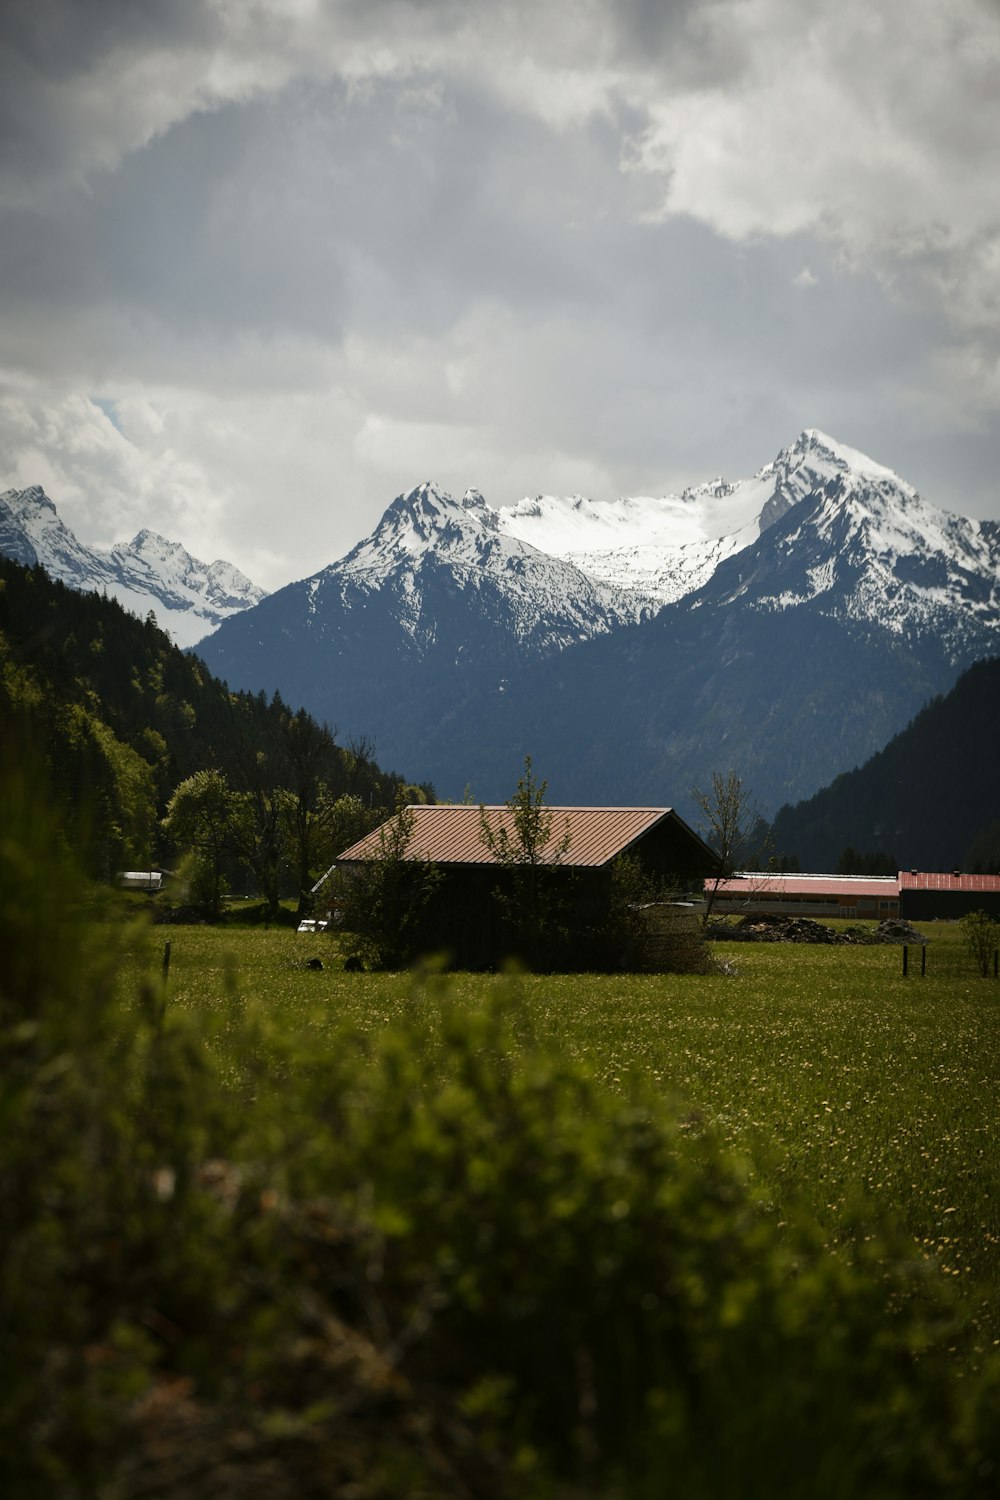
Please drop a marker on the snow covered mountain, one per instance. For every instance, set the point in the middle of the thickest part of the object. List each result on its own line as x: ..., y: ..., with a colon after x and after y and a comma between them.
x: 866, y: 548
x: 799, y: 658
x: 545, y: 602
x: 864, y: 545
x: 670, y: 546
x: 188, y: 597
x: 786, y: 625
x: 436, y: 595
x: 461, y: 636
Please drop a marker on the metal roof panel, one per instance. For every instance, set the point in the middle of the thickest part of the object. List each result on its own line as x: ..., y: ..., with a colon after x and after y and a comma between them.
x: 943, y: 880
x: 764, y: 883
x: 452, y: 835
x: 759, y: 883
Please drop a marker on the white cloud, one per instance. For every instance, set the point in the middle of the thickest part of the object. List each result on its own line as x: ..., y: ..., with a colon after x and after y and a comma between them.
x: 391, y: 446
x: 874, y: 126
x: 107, y: 478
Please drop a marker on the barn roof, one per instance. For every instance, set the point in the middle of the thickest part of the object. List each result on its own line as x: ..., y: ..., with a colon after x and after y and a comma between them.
x: 934, y: 880
x: 452, y: 835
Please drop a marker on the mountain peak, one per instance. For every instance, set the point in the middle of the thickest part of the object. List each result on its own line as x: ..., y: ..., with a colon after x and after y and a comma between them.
x: 425, y: 509
x: 474, y: 502
x: 28, y: 501
x: 147, y: 538
x: 864, y: 547
x: 419, y: 522
x: 426, y: 494
x: 157, y: 553
x: 149, y: 572
x: 427, y: 505
x: 815, y: 445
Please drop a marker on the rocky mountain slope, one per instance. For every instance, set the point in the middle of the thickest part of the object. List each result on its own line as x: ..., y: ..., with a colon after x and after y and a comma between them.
x: 188, y: 597
x: 545, y: 603
x: 399, y: 629
x: 869, y: 550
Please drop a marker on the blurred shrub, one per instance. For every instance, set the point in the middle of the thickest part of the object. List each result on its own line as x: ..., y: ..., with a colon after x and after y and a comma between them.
x: 607, y: 1296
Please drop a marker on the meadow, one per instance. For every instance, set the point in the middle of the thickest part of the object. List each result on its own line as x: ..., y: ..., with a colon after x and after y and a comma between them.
x: 866, y: 1096
x: 279, y: 1228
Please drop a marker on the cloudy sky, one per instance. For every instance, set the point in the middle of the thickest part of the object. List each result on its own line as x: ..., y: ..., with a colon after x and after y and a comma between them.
x: 266, y: 263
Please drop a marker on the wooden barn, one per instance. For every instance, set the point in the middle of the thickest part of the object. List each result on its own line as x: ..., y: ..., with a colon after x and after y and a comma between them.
x: 575, y: 866
x: 925, y: 894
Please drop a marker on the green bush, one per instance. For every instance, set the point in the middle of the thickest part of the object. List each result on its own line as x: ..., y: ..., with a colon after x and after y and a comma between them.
x: 644, y: 931
x: 982, y: 938
x: 383, y: 902
x: 104, y: 1123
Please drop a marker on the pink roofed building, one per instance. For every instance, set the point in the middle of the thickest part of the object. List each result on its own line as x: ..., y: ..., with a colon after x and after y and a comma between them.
x: 912, y: 894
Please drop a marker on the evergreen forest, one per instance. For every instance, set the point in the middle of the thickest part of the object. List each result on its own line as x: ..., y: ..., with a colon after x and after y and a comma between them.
x: 147, y: 754
x: 930, y: 798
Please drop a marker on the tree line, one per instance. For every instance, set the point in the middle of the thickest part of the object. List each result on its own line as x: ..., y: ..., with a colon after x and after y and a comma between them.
x: 149, y: 757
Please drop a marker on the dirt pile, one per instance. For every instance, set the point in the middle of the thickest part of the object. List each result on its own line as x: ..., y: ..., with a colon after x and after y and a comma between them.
x: 769, y: 928
x: 764, y: 927
x: 896, y: 930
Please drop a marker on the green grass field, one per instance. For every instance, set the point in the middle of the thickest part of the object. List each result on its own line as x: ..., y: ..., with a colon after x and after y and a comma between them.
x: 869, y: 1097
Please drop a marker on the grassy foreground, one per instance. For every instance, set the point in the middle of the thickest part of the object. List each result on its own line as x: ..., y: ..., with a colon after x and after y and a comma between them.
x: 279, y: 1229
x: 868, y: 1097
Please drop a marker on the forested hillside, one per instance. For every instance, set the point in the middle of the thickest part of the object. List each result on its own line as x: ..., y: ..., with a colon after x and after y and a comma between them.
x: 932, y: 796
x: 123, y: 722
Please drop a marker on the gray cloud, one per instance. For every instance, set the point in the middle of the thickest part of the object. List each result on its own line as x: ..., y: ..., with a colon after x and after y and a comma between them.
x: 312, y: 254
x: 65, y: 38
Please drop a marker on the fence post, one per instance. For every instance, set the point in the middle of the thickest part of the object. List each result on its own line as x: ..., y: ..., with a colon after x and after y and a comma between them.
x: 923, y: 960
x: 906, y: 956
x: 166, y: 961
x: 996, y: 955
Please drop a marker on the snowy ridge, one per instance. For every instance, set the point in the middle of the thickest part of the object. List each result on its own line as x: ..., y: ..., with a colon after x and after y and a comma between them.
x: 187, y: 597
x: 663, y: 572
x: 426, y: 539
x: 669, y: 546
x: 629, y: 556
x: 867, y: 548
x: 821, y: 525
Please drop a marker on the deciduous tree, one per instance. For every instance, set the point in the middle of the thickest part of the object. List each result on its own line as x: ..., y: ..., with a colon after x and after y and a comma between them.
x: 528, y: 846
x: 731, y: 824
x: 200, y: 819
